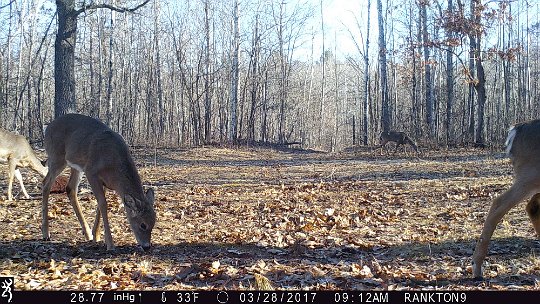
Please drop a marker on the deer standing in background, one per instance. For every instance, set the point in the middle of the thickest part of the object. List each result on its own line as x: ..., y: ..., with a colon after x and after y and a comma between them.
x: 88, y: 146
x: 400, y: 138
x: 523, y: 148
x: 17, y: 152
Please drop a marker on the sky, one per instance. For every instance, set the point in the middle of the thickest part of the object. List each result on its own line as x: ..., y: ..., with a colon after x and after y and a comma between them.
x: 340, y: 15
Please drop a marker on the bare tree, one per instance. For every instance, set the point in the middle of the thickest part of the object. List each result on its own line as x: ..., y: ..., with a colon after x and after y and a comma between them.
x: 430, y: 113
x: 207, y: 88
x: 165, y: 76
x: 64, y: 55
x: 480, y: 86
x: 233, y: 124
x: 449, y: 80
x: 366, y: 79
x: 385, y: 114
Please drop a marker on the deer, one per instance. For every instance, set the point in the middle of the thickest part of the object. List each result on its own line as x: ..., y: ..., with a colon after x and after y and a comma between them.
x: 17, y: 152
x: 87, y: 146
x: 400, y: 138
x: 523, y: 149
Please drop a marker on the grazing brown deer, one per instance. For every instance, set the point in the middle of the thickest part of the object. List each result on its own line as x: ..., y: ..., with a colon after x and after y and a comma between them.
x: 17, y: 152
x: 90, y: 147
x: 400, y: 138
x: 523, y: 148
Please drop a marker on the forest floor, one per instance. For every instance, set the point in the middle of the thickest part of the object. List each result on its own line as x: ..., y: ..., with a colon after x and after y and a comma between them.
x: 246, y: 218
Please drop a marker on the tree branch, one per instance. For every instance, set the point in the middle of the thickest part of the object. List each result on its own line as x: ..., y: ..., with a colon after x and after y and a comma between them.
x: 111, y: 7
x: 1, y: 7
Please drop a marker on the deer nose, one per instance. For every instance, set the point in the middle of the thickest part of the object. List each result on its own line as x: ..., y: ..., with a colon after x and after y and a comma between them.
x: 146, y: 247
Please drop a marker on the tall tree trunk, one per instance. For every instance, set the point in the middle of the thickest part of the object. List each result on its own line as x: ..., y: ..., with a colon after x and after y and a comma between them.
x: 506, y: 77
x: 264, y: 108
x: 481, y: 92
x: 282, y: 76
x: 366, y: 79
x: 207, y: 93
x: 428, y: 80
x: 110, y: 73
x: 470, y: 96
x: 323, y: 80
x: 449, y: 82
x: 415, y: 111
x: 385, y: 115
x: 234, y: 75
x: 158, y: 83
x: 480, y: 86
x: 64, y: 52
x: 254, y: 80
x: 5, y: 96
x: 64, y: 58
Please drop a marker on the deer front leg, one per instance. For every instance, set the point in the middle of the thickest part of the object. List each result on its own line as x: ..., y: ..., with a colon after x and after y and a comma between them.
x: 97, y: 188
x: 501, y: 205
x: 72, y: 188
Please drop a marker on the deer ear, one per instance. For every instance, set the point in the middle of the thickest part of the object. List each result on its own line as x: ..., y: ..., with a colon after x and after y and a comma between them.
x: 129, y: 202
x: 150, y: 195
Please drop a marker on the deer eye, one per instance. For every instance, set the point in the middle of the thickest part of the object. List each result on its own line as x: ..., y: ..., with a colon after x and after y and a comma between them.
x: 143, y: 226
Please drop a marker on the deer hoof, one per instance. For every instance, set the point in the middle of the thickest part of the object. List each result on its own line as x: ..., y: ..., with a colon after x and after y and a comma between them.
x: 477, y: 271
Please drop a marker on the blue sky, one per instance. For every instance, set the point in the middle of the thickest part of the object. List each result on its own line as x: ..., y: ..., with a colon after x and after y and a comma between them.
x: 339, y: 15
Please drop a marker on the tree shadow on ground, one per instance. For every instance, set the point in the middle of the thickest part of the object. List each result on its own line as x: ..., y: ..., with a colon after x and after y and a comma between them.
x: 189, y: 260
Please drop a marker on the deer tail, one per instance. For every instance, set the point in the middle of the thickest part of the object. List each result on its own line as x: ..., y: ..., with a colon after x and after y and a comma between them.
x: 510, y: 140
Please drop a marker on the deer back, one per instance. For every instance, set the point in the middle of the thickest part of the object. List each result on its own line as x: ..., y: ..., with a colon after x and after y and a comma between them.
x: 523, y: 146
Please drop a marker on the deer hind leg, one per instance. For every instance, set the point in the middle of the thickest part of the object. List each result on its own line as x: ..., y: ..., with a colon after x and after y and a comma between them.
x: 96, y: 230
x: 72, y: 188
x: 54, y: 171
x: 98, y: 190
x: 533, y: 210
x: 11, y: 175
x: 500, y: 206
x: 18, y: 176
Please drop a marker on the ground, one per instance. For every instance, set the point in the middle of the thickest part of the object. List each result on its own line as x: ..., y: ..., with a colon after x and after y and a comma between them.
x: 254, y: 218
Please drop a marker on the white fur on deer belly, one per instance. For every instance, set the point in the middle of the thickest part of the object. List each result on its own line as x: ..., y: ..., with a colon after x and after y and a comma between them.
x: 75, y: 166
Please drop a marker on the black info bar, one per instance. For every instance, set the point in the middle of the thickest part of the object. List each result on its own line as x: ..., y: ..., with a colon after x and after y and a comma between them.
x: 247, y: 297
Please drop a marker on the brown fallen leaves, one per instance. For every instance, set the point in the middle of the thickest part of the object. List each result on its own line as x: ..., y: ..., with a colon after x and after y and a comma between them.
x: 260, y: 219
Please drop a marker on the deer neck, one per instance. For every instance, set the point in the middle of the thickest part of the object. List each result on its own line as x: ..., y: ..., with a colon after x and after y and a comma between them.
x: 36, y: 164
x: 129, y: 181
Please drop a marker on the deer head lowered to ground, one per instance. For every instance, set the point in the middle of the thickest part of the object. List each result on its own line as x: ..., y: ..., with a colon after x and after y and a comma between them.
x: 17, y: 152
x: 88, y: 146
x: 400, y: 138
x: 523, y: 148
